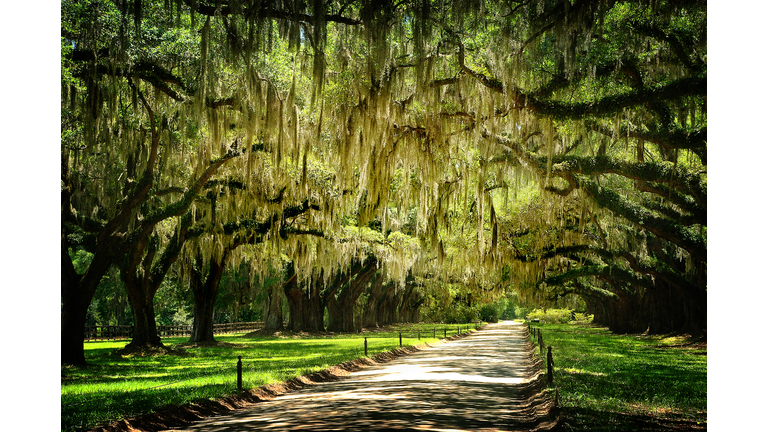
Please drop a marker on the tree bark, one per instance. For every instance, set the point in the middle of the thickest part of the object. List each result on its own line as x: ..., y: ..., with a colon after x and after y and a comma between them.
x: 273, y: 308
x: 369, y: 309
x: 141, y: 291
x: 141, y: 286
x: 74, y: 307
x: 144, y: 324
x: 204, y: 290
x: 411, y: 305
x: 77, y: 291
x: 305, y: 306
x: 340, y: 302
x: 386, y: 305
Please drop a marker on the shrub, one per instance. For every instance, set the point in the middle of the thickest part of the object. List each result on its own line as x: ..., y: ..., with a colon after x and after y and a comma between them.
x: 508, y: 313
x: 489, y: 313
x: 461, y: 314
x: 552, y: 316
x: 521, y: 312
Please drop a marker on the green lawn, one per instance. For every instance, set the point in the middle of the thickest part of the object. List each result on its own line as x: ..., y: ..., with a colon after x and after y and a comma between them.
x: 627, y: 382
x: 606, y: 382
x: 112, y: 388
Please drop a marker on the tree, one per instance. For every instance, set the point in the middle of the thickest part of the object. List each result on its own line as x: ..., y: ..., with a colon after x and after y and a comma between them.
x: 553, y: 148
x: 344, y: 290
x: 236, y: 234
x: 643, y: 105
x: 120, y: 172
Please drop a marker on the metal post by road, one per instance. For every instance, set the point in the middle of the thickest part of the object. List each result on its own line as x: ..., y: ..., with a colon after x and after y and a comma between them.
x: 550, y: 366
x: 239, y: 373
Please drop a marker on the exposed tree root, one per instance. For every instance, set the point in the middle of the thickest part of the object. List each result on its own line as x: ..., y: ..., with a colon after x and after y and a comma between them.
x: 149, y: 351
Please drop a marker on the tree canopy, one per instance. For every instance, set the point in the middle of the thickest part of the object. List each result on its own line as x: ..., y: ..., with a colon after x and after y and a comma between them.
x: 554, y: 148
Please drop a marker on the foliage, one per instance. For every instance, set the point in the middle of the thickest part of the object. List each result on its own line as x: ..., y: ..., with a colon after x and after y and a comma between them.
x: 558, y: 316
x: 557, y: 149
x: 489, y: 313
x: 170, y: 304
x: 110, y: 304
x: 81, y: 259
x: 461, y: 314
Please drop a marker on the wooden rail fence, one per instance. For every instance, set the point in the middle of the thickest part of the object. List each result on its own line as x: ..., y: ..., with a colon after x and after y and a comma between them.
x: 106, y: 332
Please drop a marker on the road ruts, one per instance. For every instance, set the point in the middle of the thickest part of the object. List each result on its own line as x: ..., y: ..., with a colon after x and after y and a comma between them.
x: 490, y: 380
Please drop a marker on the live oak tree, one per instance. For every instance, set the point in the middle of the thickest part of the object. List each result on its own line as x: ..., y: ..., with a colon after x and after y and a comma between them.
x: 121, y: 149
x: 551, y: 147
x: 642, y: 117
x: 212, y: 255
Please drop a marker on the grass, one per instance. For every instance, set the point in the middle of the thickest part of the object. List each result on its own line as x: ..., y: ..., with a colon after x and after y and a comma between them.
x: 627, y: 382
x: 112, y: 387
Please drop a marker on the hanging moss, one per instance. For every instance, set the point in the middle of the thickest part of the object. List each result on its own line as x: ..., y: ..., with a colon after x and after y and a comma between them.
x: 420, y: 116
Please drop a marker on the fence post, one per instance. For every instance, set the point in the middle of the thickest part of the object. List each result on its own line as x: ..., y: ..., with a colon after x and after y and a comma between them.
x: 550, y: 366
x: 401, y: 339
x: 445, y: 332
x: 434, y: 332
x: 365, y: 344
x: 418, y: 334
x: 541, y: 342
x: 239, y: 373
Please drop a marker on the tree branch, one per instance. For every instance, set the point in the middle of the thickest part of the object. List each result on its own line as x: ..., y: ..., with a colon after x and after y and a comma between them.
x: 256, y: 10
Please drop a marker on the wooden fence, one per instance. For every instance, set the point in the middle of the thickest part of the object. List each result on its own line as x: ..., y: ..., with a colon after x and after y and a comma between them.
x: 106, y: 332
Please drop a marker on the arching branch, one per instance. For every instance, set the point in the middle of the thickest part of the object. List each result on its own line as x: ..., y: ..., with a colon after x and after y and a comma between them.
x: 256, y: 9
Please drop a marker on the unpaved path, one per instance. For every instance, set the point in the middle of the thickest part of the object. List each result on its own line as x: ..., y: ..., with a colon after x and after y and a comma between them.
x: 489, y: 380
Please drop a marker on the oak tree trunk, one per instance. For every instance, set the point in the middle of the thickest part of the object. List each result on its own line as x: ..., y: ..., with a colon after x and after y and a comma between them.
x: 205, y: 289
x: 341, y: 300
x: 73, y: 315
x: 77, y: 291
x: 305, y: 308
x: 369, y: 309
x: 273, y: 308
x: 144, y: 325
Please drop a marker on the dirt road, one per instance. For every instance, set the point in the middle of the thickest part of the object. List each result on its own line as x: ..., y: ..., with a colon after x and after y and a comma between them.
x: 489, y: 380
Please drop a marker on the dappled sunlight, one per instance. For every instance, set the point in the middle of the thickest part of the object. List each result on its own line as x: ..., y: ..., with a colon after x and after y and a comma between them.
x: 409, y: 372
x: 367, y: 393
x: 581, y: 371
x: 478, y: 382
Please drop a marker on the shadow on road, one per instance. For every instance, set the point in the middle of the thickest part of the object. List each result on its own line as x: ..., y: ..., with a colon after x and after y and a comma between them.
x: 490, y: 380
